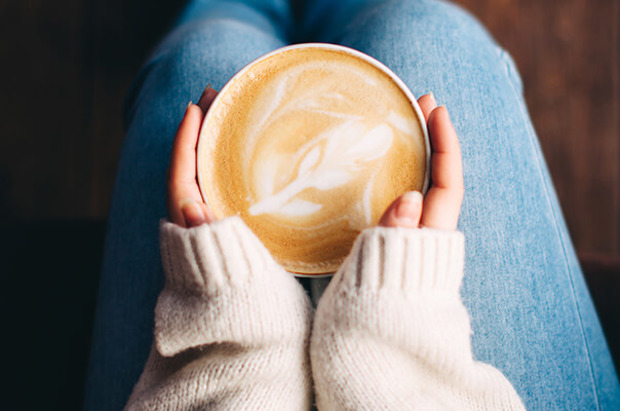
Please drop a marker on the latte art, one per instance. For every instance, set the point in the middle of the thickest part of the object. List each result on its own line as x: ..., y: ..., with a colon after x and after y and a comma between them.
x: 330, y: 160
x: 309, y: 146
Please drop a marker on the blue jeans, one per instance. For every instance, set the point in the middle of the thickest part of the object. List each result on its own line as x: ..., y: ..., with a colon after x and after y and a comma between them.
x: 531, y: 312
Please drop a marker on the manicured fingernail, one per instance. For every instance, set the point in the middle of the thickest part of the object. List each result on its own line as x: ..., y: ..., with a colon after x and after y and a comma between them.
x: 409, y: 207
x: 432, y: 96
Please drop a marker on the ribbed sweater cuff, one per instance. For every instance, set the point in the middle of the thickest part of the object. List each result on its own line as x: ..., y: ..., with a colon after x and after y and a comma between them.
x: 222, y: 285
x: 209, y: 258
x: 409, y: 260
x: 395, y: 283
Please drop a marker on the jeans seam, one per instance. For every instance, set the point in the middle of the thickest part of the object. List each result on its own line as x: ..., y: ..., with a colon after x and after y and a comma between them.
x: 561, y: 238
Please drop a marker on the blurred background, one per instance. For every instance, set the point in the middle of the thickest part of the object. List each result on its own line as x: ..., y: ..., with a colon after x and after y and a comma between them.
x: 66, y: 67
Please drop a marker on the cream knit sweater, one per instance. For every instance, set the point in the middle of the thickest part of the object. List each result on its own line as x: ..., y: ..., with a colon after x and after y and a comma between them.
x: 232, y: 328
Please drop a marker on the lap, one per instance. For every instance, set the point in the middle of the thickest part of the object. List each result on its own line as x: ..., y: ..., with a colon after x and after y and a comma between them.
x: 531, y: 312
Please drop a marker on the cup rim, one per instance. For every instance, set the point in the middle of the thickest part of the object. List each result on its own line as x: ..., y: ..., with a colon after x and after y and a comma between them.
x: 323, y: 46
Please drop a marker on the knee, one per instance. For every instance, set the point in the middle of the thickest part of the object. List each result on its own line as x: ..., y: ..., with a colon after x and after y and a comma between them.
x: 213, y: 50
x: 428, y: 37
x: 201, y: 52
x: 419, y: 21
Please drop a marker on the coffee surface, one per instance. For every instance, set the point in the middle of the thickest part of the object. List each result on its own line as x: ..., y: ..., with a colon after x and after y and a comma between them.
x: 309, y: 147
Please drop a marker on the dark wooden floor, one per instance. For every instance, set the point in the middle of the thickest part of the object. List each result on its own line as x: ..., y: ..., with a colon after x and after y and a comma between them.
x: 66, y: 67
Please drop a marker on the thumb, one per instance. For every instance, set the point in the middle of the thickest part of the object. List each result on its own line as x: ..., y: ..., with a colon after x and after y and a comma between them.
x: 193, y: 213
x: 404, y: 212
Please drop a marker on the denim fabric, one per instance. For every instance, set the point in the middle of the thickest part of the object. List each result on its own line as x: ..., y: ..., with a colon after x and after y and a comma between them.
x: 531, y: 311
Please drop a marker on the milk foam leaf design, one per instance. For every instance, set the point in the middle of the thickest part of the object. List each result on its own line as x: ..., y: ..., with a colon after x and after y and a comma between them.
x: 297, y: 207
x: 302, y: 102
x: 373, y: 145
x: 349, y: 147
x: 329, y: 179
x: 310, y: 160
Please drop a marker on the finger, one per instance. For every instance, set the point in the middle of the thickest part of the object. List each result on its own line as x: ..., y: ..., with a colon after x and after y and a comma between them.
x: 182, y: 169
x: 404, y: 212
x: 442, y: 203
x: 192, y: 213
x: 446, y: 151
x: 427, y: 104
x: 183, y: 156
x: 207, y: 97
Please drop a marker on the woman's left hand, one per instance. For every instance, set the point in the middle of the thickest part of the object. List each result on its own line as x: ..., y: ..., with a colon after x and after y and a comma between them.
x: 184, y: 201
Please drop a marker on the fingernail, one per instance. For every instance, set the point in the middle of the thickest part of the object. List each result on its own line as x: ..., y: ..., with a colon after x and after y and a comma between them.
x: 189, y: 105
x: 432, y: 96
x: 409, y: 207
x: 204, y: 92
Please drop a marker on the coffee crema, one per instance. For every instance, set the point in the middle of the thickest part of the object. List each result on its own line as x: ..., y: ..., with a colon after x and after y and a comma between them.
x: 310, y: 146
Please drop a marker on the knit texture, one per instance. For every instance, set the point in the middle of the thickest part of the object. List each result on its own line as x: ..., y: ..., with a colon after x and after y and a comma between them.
x: 231, y: 326
x: 391, y: 333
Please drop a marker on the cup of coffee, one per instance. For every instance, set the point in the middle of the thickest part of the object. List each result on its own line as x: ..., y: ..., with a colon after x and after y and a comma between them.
x: 309, y: 145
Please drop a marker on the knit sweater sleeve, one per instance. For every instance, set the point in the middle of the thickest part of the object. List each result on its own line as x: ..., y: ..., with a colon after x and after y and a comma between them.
x: 231, y: 326
x: 391, y: 331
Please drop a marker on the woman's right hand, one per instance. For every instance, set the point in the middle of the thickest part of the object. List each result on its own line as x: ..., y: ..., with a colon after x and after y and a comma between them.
x: 442, y: 205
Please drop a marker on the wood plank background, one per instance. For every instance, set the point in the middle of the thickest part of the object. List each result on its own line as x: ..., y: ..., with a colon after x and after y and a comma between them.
x: 66, y: 67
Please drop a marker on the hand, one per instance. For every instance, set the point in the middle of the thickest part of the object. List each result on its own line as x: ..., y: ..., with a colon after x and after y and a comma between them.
x: 442, y: 205
x: 184, y: 202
